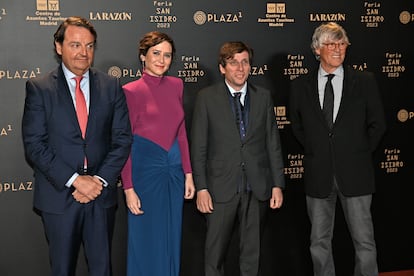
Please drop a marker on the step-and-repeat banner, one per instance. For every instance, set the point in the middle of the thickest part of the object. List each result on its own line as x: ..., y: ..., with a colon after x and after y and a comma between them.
x: 280, y: 33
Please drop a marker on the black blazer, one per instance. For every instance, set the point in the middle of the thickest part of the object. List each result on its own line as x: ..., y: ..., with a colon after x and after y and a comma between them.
x: 53, y: 140
x: 217, y: 153
x: 347, y: 149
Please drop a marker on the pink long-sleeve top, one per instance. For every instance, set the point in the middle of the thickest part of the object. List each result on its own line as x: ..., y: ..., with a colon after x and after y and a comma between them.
x: 156, y: 113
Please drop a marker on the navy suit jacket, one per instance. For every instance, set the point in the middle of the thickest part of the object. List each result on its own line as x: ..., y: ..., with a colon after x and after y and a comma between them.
x: 346, y: 150
x: 219, y: 156
x: 54, y: 145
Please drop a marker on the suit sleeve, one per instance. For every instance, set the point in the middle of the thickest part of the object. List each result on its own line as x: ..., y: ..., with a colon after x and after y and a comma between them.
x: 199, y: 143
x: 121, y: 139
x: 126, y: 172
x: 274, y: 146
x: 38, y: 151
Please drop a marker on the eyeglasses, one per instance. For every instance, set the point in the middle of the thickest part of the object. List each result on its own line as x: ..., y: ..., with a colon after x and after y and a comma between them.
x: 235, y: 63
x: 333, y: 45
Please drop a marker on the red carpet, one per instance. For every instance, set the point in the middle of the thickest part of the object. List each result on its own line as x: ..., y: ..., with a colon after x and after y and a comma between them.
x: 398, y: 273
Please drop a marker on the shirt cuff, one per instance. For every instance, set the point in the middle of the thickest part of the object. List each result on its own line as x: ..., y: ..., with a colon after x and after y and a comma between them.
x: 71, y: 180
x: 104, y: 183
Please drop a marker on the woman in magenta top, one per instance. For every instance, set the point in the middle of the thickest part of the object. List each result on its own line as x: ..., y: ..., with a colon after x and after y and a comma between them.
x: 157, y: 176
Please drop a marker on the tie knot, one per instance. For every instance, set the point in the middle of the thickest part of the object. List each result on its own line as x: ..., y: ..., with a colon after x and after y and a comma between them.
x: 78, y: 79
x: 330, y: 76
x: 237, y: 94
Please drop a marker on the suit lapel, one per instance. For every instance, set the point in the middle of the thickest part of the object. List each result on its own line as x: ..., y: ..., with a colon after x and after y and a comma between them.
x: 313, y: 95
x: 348, y: 84
x: 254, y: 107
x: 94, y: 90
x: 66, y: 98
x: 223, y: 103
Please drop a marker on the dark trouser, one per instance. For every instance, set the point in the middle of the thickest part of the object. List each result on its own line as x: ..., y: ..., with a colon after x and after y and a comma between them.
x: 87, y: 224
x: 357, y: 214
x: 250, y: 213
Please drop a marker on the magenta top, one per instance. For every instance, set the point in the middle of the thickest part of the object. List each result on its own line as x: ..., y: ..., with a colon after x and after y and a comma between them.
x: 156, y: 113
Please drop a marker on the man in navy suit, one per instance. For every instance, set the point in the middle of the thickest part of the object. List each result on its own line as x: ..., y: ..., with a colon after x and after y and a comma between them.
x: 338, y: 136
x: 76, y: 172
x: 237, y: 160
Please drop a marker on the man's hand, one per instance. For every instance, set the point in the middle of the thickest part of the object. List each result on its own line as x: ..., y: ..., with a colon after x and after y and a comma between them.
x: 277, y: 198
x: 86, y: 186
x: 80, y: 197
x: 204, y: 202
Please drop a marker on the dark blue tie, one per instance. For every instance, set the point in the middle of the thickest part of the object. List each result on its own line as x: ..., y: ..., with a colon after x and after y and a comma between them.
x: 239, y: 114
x: 328, y: 101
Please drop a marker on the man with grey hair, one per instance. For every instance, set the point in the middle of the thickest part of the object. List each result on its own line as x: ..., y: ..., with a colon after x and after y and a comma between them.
x: 338, y: 117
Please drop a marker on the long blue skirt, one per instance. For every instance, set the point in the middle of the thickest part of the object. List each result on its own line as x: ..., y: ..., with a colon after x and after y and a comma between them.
x: 154, y: 238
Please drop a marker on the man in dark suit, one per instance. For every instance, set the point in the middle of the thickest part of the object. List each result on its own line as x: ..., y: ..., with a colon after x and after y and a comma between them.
x: 237, y: 160
x: 337, y: 116
x: 76, y: 165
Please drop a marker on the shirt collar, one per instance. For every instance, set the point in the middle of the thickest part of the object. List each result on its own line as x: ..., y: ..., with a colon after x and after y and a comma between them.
x: 338, y: 72
x: 243, y: 90
x: 69, y: 75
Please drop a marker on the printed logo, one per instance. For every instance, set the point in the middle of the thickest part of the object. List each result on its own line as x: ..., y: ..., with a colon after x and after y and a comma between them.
x: 201, y: 17
x: 163, y: 16
x: 406, y: 17
x: 276, y: 15
x: 392, y: 161
x: 327, y: 17
x: 190, y: 71
x: 295, y: 169
x: 118, y: 72
x: 47, y: 13
x: 394, y: 66
x: 110, y: 16
x: 16, y: 186
x: 372, y: 16
x: 403, y: 115
x: 115, y: 71
x: 47, y: 5
x: 296, y: 67
x: 258, y: 70
x: 9, y: 74
x: 2, y: 13
x: 281, y: 117
x: 360, y: 67
x: 4, y: 131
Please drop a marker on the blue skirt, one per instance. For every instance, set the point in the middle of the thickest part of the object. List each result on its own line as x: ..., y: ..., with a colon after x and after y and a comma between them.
x: 154, y: 238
